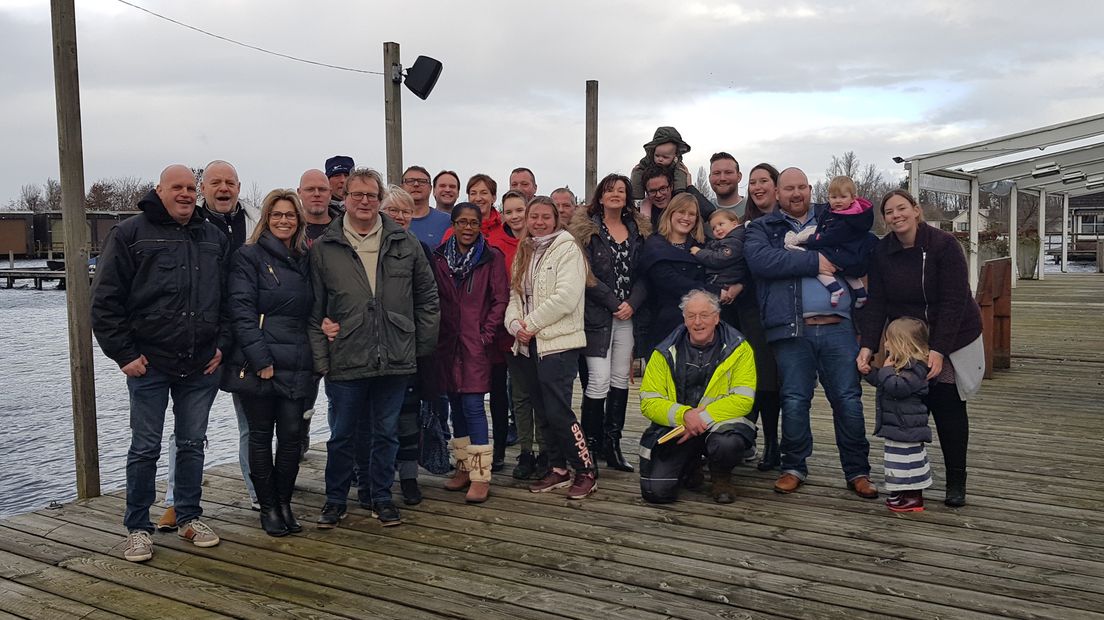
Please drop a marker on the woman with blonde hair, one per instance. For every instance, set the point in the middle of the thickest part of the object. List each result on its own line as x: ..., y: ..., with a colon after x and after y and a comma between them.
x: 668, y: 268
x: 545, y: 316
x: 270, y: 364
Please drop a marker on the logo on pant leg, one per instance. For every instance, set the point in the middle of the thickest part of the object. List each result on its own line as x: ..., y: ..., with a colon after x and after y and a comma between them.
x: 581, y: 445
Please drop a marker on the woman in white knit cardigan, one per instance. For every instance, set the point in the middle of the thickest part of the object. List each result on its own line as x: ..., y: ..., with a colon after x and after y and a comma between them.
x: 545, y: 316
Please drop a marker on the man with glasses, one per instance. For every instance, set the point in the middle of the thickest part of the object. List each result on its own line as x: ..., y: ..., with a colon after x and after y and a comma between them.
x: 659, y: 189
x: 428, y: 225
x: 698, y: 388
x: 372, y: 278
x: 314, y: 192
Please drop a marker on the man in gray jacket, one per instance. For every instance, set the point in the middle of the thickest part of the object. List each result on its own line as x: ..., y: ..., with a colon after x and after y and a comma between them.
x: 373, y: 279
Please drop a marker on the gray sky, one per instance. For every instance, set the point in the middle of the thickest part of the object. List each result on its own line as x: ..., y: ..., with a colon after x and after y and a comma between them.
x: 791, y: 83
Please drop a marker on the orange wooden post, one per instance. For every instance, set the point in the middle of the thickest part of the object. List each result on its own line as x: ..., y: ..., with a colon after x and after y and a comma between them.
x: 984, y: 299
x: 1002, y: 315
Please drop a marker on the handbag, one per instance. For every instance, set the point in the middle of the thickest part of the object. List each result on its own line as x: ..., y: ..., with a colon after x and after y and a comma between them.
x: 433, y: 453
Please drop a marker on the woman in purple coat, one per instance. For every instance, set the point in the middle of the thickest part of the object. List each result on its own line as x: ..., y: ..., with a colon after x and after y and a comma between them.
x: 472, y: 285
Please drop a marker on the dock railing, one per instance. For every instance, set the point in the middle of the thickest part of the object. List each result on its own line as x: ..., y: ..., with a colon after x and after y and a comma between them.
x: 994, y: 296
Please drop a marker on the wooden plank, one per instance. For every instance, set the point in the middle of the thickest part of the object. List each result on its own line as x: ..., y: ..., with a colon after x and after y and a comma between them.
x: 16, y: 598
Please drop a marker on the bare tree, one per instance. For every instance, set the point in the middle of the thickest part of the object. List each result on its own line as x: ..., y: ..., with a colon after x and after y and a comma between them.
x: 869, y: 181
x: 253, y: 198
x: 31, y: 198
x: 53, y: 195
x: 702, y: 183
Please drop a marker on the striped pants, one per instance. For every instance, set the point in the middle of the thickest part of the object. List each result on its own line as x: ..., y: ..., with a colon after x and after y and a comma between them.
x: 906, y: 466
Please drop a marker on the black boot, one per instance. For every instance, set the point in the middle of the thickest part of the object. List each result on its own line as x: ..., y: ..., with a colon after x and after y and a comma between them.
x: 271, y: 521
x: 772, y: 457
x: 594, y: 410
x: 616, y: 402
x: 956, y: 488
x: 284, y: 474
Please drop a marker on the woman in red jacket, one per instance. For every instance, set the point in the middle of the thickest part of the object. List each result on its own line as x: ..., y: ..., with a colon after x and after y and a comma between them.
x: 471, y: 282
x: 920, y: 271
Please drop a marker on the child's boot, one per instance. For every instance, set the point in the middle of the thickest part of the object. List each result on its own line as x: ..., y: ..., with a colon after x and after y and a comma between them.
x: 910, y: 501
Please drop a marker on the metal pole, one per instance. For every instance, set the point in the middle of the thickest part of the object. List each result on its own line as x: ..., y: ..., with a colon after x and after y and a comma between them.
x: 77, y: 294
x: 1065, y: 232
x: 974, y: 223
x: 1014, y: 233
x: 392, y: 111
x: 592, y: 138
x: 1042, y: 232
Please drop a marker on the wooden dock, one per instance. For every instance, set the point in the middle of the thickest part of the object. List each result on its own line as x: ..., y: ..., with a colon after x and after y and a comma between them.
x: 37, y: 275
x: 1030, y: 543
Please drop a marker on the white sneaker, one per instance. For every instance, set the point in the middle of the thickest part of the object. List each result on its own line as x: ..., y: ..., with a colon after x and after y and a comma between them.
x: 198, y: 533
x: 139, y: 547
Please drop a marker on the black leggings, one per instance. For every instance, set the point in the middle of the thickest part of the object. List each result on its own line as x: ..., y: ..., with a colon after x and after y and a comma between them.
x: 550, y: 381
x: 765, y: 411
x: 500, y: 408
x: 949, y: 412
x: 286, y: 415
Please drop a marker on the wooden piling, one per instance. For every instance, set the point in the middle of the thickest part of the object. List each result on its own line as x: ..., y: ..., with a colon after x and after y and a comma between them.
x: 392, y: 112
x: 78, y: 294
x: 591, y: 137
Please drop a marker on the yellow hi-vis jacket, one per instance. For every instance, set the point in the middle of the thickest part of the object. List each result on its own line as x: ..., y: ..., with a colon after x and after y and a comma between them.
x: 728, y: 395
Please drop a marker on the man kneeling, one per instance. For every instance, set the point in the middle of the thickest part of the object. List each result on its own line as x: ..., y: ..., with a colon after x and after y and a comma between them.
x: 708, y: 363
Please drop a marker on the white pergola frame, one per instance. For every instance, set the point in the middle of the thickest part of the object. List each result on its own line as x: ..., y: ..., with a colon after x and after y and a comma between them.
x: 962, y: 170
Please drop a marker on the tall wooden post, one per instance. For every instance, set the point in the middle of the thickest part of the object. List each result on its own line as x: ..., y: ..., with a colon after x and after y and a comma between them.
x: 592, y: 138
x: 975, y: 224
x: 392, y: 111
x: 1014, y: 232
x: 77, y: 293
x: 1065, y: 232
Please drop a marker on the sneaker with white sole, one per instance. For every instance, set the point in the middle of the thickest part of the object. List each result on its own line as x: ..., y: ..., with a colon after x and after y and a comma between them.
x: 198, y: 533
x: 139, y: 546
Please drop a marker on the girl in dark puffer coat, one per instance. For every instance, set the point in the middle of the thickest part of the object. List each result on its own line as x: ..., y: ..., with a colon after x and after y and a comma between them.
x: 270, y: 364
x: 902, y: 416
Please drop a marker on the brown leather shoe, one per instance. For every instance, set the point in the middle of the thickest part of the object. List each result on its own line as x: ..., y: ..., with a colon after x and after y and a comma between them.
x: 787, y: 483
x: 863, y: 487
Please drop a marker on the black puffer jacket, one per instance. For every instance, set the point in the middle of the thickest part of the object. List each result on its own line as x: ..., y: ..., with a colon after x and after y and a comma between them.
x: 601, y: 300
x: 159, y: 289
x: 268, y: 280
x: 901, y: 413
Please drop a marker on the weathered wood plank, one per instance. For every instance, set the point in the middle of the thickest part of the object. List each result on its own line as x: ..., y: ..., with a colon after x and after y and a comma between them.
x: 28, y: 602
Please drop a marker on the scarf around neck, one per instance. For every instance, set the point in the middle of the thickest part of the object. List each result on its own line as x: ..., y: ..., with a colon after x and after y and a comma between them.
x: 462, y: 264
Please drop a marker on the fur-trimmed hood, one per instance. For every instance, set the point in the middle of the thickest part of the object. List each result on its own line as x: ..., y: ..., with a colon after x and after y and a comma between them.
x: 583, y: 226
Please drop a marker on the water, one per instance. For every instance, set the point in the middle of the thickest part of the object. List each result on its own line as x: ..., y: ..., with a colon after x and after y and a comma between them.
x: 36, y: 420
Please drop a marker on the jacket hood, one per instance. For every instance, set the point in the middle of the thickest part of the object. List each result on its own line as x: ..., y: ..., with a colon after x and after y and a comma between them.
x: 584, y: 226
x: 729, y: 335
x: 155, y: 210
x: 667, y: 134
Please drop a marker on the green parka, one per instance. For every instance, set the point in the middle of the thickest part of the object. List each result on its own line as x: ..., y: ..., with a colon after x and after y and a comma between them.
x: 382, y: 333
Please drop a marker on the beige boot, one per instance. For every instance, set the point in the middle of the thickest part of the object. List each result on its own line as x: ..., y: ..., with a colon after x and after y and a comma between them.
x: 459, y: 480
x: 479, y: 469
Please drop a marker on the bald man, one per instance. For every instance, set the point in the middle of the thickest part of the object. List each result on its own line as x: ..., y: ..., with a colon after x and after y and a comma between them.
x: 158, y: 312
x: 220, y: 188
x: 314, y: 193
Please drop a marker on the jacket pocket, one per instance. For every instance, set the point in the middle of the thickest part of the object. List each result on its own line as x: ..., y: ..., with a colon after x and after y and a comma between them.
x: 351, y: 348
x: 398, y: 339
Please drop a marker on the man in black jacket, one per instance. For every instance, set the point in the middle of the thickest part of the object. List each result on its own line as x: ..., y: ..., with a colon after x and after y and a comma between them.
x: 157, y: 306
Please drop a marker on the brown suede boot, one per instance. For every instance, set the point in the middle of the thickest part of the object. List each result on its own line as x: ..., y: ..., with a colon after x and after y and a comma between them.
x: 723, y: 491
x: 460, y: 478
x: 479, y: 470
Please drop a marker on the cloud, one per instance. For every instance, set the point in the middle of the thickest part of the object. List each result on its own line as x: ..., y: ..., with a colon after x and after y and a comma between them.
x: 788, y: 82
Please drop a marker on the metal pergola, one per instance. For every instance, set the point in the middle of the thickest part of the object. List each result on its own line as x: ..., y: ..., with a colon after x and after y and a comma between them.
x: 1060, y: 159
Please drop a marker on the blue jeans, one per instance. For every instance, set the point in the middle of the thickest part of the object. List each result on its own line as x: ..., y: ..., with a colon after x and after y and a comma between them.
x: 373, y: 403
x: 243, y: 454
x: 149, y: 397
x: 469, y: 419
x: 827, y: 351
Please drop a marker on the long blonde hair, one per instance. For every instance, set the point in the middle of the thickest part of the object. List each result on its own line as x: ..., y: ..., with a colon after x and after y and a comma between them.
x: 299, y: 241
x: 682, y: 202
x: 524, y: 254
x: 907, y: 341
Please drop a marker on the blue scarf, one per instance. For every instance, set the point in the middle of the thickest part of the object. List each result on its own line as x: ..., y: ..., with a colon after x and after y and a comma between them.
x: 462, y: 264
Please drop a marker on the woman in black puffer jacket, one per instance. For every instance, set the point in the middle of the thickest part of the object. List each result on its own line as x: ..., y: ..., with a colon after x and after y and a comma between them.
x: 271, y: 365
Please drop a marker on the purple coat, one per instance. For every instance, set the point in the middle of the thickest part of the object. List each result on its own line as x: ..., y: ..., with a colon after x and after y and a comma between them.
x: 472, y: 312
x: 930, y: 282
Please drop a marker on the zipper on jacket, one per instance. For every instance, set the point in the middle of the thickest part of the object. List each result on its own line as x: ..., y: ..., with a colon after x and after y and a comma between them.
x: 272, y: 272
x: 923, y: 282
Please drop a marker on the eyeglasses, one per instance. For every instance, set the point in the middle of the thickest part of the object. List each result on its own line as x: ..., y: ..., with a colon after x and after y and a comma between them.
x: 371, y: 196
x: 659, y: 190
x: 415, y: 181
x: 316, y: 190
x: 701, y: 316
x: 402, y: 212
x: 279, y: 215
x: 466, y: 224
